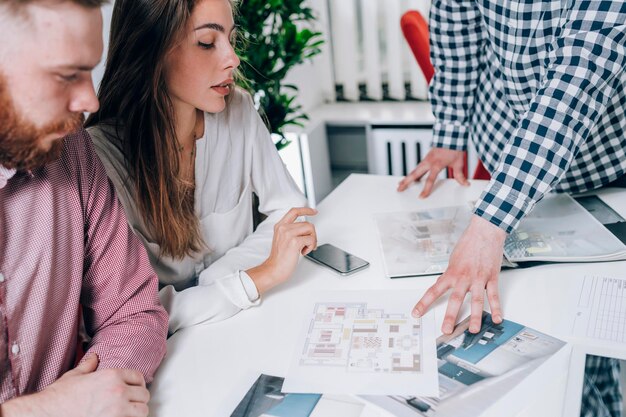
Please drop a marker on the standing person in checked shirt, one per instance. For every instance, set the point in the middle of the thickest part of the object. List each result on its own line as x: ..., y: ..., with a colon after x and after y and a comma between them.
x: 540, y: 89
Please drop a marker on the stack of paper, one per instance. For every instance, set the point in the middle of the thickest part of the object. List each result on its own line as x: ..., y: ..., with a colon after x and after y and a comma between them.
x: 479, y: 372
x: 561, y: 230
x: 490, y: 373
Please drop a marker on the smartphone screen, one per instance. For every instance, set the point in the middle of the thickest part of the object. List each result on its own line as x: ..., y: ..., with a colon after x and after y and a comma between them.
x: 337, y: 259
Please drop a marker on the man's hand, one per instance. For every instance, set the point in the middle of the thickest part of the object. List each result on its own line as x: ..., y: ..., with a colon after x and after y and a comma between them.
x: 474, y: 266
x: 85, y: 392
x: 436, y: 160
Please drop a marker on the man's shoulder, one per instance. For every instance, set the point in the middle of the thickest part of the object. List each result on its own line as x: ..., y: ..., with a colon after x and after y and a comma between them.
x: 77, y: 167
x: 78, y: 155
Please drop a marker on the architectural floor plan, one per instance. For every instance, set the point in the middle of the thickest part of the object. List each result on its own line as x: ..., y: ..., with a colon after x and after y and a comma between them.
x: 362, y: 339
x: 364, y: 342
x: 559, y: 229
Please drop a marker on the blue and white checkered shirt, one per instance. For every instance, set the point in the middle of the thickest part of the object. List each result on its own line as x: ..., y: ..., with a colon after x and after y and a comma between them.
x: 540, y: 89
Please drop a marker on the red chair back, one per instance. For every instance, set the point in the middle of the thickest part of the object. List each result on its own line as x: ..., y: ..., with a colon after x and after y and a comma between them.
x: 415, y: 30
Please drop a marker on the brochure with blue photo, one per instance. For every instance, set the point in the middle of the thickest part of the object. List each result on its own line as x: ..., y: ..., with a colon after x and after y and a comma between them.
x: 265, y: 399
x: 476, y: 370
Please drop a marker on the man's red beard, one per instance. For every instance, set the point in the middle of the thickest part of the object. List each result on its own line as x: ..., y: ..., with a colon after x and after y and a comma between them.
x: 20, y: 146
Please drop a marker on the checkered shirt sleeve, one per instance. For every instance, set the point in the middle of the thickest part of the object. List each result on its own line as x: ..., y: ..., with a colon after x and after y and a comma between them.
x: 582, y: 70
x: 455, y: 50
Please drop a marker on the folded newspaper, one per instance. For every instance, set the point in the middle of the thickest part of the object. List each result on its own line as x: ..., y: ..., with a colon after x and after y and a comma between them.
x: 266, y: 399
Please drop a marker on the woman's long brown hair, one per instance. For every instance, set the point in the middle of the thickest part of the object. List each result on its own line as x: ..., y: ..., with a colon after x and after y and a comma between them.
x: 134, y: 98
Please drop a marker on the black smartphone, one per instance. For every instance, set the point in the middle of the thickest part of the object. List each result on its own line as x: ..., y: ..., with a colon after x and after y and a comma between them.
x: 336, y: 259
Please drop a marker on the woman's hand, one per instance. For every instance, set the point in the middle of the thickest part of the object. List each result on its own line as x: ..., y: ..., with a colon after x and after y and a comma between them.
x: 291, y: 239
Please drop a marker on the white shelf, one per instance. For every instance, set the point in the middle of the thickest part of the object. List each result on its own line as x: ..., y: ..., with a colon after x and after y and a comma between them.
x: 370, y: 113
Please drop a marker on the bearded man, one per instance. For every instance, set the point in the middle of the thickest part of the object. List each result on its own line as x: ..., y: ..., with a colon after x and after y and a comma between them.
x: 64, y: 238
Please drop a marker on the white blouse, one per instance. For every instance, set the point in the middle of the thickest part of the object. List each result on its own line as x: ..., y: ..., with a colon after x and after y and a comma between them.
x: 234, y: 158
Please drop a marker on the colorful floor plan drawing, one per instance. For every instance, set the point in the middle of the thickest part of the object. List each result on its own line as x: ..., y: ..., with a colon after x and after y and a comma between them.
x: 362, y: 339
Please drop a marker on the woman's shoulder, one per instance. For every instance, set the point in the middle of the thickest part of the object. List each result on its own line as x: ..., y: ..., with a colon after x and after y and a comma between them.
x: 108, y: 145
x: 105, y: 135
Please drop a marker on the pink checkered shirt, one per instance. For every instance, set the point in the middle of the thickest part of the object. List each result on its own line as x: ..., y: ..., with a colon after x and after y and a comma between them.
x: 65, y: 242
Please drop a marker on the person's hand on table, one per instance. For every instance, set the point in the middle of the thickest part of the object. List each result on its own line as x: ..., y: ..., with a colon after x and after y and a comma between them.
x: 291, y: 240
x: 85, y: 391
x: 473, y: 268
x: 436, y: 160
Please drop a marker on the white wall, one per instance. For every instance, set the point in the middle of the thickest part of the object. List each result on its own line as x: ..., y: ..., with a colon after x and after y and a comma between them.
x: 98, y: 72
x: 315, y: 78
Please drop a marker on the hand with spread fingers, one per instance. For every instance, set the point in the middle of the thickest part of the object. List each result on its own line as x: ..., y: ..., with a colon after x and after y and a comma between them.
x: 473, y: 268
x: 436, y: 160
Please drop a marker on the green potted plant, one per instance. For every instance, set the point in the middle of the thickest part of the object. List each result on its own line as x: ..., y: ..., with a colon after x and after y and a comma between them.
x: 275, y: 35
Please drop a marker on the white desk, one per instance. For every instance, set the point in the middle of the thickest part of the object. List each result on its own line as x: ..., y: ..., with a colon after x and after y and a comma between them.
x: 209, y: 368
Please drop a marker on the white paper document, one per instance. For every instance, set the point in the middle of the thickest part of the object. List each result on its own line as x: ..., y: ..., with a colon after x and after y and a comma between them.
x: 599, y: 309
x: 364, y: 342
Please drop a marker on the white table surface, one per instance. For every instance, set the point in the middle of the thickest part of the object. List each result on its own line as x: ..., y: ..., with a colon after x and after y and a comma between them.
x: 209, y: 368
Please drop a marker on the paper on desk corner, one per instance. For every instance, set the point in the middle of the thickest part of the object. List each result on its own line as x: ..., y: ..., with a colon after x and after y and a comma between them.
x: 364, y: 342
x: 597, y: 310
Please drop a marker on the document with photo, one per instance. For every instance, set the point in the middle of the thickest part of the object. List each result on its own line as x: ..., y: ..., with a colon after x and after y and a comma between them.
x: 266, y: 399
x: 559, y: 229
x: 476, y: 369
x: 420, y: 242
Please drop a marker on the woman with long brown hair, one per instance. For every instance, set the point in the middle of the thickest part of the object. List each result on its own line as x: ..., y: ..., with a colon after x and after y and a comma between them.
x: 185, y: 150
